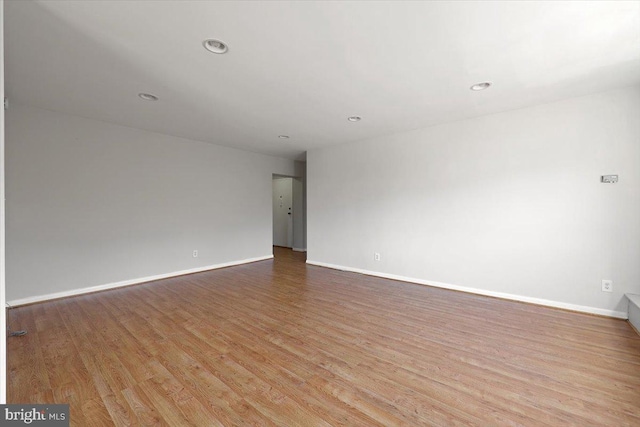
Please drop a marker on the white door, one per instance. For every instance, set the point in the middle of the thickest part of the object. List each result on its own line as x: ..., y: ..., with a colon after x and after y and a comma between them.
x: 282, y: 212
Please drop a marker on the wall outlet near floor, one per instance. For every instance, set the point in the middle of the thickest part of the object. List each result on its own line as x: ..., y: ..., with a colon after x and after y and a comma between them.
x: 607, y: 285
x: 376, y: 256
x: 195, y: 253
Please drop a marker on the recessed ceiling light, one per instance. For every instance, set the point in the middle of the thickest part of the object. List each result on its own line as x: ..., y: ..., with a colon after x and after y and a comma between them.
x: 283, y: 136
x: 215, y: 46
x: 354, y: 118
x: 148, y: 96
x: 480, y: 86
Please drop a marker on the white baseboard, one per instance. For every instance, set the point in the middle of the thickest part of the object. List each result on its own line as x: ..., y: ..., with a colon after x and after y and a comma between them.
x: 47, y: 297
x: 539, y: 301
x: 299, y: 250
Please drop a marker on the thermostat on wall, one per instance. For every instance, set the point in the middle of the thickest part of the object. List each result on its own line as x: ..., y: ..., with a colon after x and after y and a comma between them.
x: 609, y: 179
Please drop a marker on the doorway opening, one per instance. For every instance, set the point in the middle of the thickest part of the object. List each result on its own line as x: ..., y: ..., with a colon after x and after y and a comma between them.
x: 283, y: 212
x: 289, y: 216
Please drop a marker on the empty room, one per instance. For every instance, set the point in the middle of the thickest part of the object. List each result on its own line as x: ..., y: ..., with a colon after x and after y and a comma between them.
x: 320, y: 213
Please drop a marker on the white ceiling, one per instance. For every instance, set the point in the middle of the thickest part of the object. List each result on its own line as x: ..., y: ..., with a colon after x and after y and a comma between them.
x: 301, y: 68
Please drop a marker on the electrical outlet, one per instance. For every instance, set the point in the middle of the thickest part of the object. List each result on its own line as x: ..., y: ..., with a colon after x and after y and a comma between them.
x: 195, y: 253
x: 607, y: 285
x: 376, y: 256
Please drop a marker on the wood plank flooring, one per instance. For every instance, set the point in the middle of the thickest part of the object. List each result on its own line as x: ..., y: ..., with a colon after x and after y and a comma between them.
x: 280, y: 343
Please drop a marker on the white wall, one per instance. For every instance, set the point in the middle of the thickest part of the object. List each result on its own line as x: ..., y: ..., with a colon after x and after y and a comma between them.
x: 508, y: 204
x: 298, y: 212
x: 91, y: 203
x: 300, y: 208
x: 3, y: 327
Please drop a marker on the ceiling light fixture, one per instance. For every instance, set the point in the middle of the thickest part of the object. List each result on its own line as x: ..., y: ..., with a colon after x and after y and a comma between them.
x: 215, y: 46
x: 480, y: 86
x: 283, y: 136
x: 354, y: 118
x: 147, y: 96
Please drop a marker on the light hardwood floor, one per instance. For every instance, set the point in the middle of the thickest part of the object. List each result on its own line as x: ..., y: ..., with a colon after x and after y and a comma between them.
x: 279, y: 343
